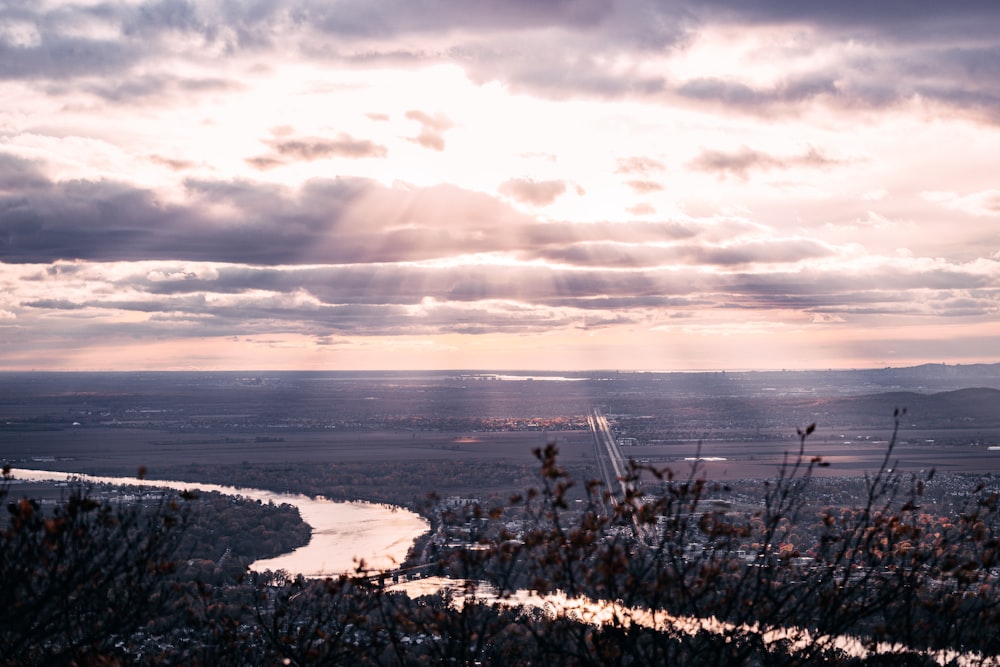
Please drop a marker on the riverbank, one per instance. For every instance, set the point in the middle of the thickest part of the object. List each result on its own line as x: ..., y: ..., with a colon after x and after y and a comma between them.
x: 344, y: 534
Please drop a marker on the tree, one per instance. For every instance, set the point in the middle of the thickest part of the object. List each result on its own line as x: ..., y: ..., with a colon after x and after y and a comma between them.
x: 666, y: 574
x: 84, y: 575
x: 671, y: 572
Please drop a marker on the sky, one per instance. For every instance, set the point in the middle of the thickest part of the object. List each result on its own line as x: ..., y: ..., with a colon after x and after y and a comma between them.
x: 528, y: 184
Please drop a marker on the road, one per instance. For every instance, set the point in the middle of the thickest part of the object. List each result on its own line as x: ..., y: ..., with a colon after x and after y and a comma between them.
x: 610, y: 461
x: 614, y: 468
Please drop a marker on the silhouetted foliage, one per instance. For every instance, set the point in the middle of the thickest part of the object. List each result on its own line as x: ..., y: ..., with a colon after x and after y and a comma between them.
x: 687, y: 582
x: 663, y: 573
x: 86, y: 573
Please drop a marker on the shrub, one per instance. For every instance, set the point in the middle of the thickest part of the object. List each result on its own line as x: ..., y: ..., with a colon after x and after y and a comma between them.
x: 82, y: 576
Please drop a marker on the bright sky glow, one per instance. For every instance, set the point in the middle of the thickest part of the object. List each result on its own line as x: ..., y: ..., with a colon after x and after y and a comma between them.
x: 198, y: 184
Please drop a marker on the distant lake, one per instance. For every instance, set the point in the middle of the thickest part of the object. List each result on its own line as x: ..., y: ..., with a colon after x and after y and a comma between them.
x: 342, y: 532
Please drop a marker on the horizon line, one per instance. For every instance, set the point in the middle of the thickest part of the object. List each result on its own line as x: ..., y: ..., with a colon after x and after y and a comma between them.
x: 498, y: 371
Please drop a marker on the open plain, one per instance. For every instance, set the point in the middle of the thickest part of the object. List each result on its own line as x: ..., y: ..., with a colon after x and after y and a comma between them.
x: 398, y: 437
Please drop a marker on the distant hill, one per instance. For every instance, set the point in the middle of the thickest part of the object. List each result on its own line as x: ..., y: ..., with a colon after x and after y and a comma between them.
x: 974, y: 407
x: 945, y: 371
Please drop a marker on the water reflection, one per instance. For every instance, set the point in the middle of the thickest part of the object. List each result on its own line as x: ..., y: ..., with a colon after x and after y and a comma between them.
x: 342, y: 532
x: 603, y: 612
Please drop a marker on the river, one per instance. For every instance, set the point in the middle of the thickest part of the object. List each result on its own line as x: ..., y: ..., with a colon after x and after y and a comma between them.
x: 342, y: 532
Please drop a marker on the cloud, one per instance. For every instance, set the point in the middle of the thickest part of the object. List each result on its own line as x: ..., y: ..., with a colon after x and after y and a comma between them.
x: 62, y: 58
x: 170, y: 163
x: 520, y: 35
x: 642, y: 166
x: 314, y: 148
x: 343, y: 220
x: 644, y: 186
x: 741, y: 95
x: 870, y: 221
x: 432, y: 129
x: 387, y: 299
x: 54, y: 304
x: 113, y: 227
x: 18, y: 174
x: 771, y: 251
x: 331, y: 220
x: 641, y: 208
x: 265, y: 162
x: 985, y: 203
x: 875, y: 195
x: 741, y: 162
x: 529, y: 191
x: 922, y: 19
x: 557, y: 49
x: 306, y: 149
x: 826, y: 318
x: 395, y: 18
x: 135, y: 87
